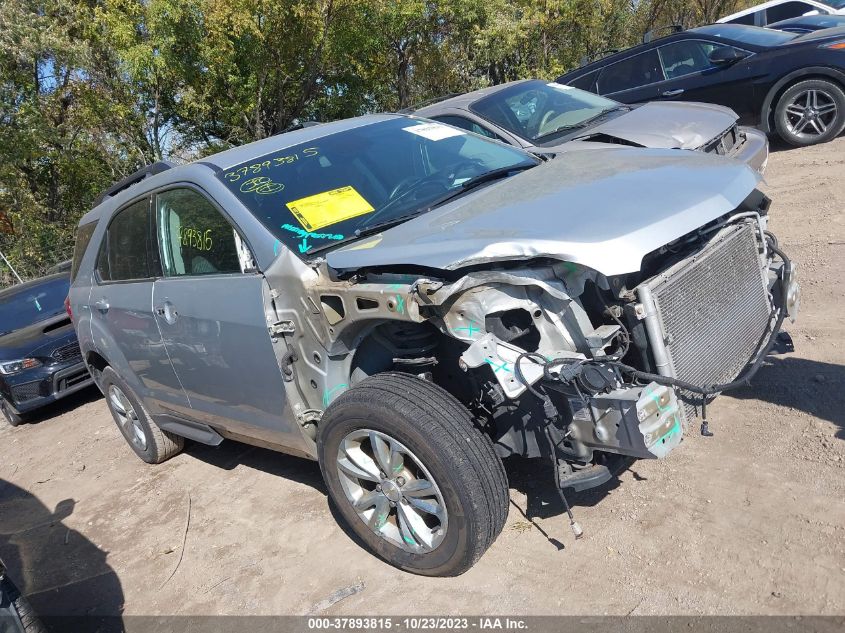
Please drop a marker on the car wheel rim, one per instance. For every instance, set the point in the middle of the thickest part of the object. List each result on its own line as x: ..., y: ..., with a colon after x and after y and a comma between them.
x: 127, y: 417
x: 392, y: 491
x: 811, y: 113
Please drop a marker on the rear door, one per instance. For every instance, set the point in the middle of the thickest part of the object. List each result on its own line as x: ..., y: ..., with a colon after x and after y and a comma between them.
x: 210, y: 307
x: 632, y: 80
x: 123, y: 327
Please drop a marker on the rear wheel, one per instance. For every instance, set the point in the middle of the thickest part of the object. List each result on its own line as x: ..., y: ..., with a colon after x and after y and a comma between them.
x: 411, y: 475
x: 810, y: 112
x: 148, y: 441
x: 10, y: 416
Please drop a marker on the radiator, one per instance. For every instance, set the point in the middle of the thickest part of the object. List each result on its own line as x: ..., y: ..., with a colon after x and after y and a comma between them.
x: 713, y: 310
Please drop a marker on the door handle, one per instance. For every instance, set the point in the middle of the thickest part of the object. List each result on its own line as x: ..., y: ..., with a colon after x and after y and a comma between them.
x: 672, y: 93
x: 102, y: 305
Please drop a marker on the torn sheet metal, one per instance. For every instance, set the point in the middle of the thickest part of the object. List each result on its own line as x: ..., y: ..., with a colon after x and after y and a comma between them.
x: 501, y: 357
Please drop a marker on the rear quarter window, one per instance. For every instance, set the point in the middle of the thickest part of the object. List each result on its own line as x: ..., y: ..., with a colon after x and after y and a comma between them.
x: 83, y: 239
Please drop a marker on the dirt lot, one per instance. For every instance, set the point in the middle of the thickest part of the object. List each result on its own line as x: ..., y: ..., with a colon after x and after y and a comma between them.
x: 751, y: 521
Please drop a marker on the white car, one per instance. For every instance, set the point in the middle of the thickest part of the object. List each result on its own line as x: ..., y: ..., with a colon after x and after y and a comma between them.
x: 777, y: 10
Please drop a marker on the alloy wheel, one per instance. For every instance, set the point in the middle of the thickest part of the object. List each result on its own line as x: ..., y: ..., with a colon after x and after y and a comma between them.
x: 392, y: 491
x: 127, y: 418
x: 811, y: 113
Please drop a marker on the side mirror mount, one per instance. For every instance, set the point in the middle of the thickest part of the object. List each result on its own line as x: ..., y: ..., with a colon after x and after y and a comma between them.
x: 726, y: 55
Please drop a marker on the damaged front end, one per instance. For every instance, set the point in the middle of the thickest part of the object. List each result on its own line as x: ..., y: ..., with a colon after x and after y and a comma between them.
x: 561, y: 359
x: 554, y: 359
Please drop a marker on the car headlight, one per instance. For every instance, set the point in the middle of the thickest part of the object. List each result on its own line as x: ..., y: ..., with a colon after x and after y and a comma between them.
x: 15, y: 366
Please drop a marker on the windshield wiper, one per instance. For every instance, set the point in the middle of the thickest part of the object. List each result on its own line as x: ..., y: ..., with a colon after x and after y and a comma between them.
x: 472, y: 183
x: 367, y: 230
x: 585, y: 122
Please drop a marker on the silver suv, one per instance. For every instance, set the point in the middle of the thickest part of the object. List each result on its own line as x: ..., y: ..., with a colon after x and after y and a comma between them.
x: 408, y: 303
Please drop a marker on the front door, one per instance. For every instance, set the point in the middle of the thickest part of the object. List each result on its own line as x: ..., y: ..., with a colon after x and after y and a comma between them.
x: 210, y: 307
x: 123, y: 325
x: 691, y: 76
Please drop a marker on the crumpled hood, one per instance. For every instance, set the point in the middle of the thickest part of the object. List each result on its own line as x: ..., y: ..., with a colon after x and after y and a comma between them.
x: 605, y: 209
x: 668, y: 124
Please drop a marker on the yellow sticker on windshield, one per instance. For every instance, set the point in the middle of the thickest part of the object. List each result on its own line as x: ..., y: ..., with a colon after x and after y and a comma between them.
x: 329, y: 207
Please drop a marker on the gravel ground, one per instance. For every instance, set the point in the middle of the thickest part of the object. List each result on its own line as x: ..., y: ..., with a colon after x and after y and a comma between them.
x: 751, y: 521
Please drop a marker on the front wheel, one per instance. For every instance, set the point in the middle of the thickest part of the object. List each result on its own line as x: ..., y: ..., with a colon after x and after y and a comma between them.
x: 411, y: 475
x: 810, y: 112
x: 10, y: 416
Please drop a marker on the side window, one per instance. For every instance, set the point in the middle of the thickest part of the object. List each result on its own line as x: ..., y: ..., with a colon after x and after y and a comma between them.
x: 125, y: 251
x: 586, y: 82
x: 686, y: 57
x: 789, y: 10
x: 195, y: 238
x: 636, y: 71
x: 83, y: 237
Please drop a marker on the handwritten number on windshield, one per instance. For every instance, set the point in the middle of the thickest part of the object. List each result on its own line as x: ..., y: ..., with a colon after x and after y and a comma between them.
x: 262, y: 185
x: 275, y: 161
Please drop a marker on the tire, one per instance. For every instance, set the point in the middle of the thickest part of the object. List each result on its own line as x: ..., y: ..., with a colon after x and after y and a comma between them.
x: 810, y: 112
x: 437, y: 441
x: 19, y: 605
x: 148, y: 441
x: 10, y: 416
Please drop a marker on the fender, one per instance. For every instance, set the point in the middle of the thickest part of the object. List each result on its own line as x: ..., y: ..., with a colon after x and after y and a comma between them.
x: 825, y: 71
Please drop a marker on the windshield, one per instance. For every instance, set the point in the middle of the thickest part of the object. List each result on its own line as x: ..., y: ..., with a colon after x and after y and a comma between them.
x: 753, y: 35
x: 33, y: 304
x: 333, y: 188
x: 536, y: 110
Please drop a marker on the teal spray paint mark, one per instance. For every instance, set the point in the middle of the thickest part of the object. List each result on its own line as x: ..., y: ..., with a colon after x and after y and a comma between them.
x: 276, y: 247
x: 503, y: 366
x: 400, y: 304
x: 329, y: 393
x: 306, y: 235
x: 471, y: 329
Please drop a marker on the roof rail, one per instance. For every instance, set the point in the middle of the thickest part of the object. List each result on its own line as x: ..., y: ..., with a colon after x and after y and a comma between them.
x: 134, y: 179
x: 672, y: 28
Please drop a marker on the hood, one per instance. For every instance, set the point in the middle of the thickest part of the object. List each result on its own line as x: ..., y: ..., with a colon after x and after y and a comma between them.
x: 605, y: 209
x: 668, y: 124
x: 38, y: 339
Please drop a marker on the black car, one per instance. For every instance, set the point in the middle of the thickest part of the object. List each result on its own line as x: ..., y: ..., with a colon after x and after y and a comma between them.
x: 781, y: 82
x: 809, y: 23
x: 40, y: 359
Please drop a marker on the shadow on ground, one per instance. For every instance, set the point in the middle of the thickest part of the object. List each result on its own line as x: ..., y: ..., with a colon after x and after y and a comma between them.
x: 63, y: 405
x: 61, y: 572
x: 231, y: 454
x: 810, y: 386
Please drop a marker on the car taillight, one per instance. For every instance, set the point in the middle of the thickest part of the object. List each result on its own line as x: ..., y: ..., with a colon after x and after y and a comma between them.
x: 837, y: 46
x: 68, y: 308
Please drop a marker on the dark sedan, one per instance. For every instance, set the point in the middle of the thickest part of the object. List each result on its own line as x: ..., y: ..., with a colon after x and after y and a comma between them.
x: 809, y: 23
x: 782, y: 82
x: 40, y: 359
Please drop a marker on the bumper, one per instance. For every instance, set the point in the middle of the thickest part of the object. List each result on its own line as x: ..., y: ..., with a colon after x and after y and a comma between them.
x: 754, y: 152
x: 31, y: 390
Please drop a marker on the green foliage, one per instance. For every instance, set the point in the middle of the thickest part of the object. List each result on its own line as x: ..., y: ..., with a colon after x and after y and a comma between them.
x: 92, y: 89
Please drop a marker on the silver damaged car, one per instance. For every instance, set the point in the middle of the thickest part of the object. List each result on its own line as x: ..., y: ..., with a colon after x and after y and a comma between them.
x: 409, y: 303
